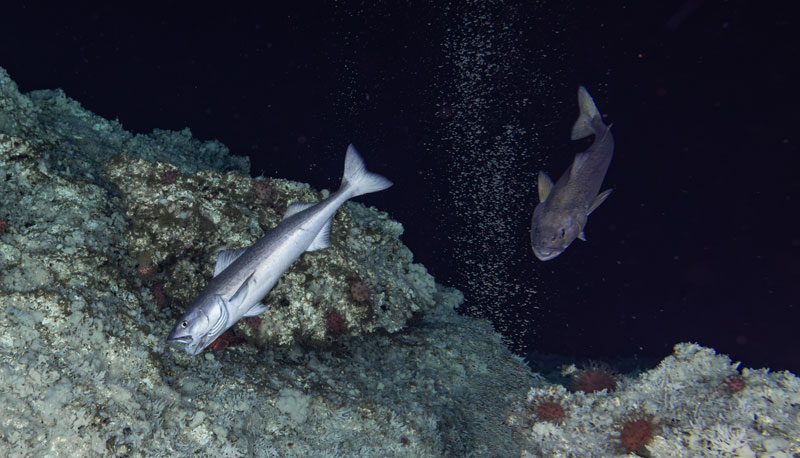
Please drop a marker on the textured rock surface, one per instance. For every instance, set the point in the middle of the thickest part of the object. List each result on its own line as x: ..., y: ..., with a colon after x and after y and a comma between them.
x: 100, y: 254
x: 76, y: 142
x: 360, y: 354
x: 177, y: 224
x: 689, y: 401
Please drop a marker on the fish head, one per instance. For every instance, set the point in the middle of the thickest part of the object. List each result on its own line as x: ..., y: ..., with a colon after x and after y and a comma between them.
x: 552, y: 232
x: 200, y: 325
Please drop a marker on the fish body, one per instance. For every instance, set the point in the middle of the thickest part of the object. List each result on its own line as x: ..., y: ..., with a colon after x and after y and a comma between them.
x: 564, y: 208
x: 243, y: 277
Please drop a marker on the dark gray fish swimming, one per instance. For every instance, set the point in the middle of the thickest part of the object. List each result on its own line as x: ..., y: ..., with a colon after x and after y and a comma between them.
x: 564, y: 208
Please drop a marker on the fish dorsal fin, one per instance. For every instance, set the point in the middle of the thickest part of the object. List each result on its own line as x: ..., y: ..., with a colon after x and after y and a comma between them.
x: 599, y: 200
x: 545, y: 185
x: 226, y: 258
x: 296, y: 208
x: 257, y: 309
x: 322, y: 240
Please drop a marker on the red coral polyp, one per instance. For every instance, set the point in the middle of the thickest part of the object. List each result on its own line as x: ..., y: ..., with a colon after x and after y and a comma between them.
x: 595, y: 377
x: 734, y: 383
x: 263, y: 190
x: 636, y: 432
x: 335, y: 323
x: 359, y: 291
x: 169, y: 176
x: 550, y: 410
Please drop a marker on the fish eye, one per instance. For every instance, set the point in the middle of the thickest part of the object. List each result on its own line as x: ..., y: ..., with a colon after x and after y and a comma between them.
x: 184, y: 324
x: 563, y: 232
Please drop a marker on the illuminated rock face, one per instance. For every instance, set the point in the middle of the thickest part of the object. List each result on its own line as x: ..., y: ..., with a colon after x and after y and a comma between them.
x: 100, y: 255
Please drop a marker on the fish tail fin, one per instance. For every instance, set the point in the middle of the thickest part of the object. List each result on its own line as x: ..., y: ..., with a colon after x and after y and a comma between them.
x: 585, y: 126
x: 357, y: 178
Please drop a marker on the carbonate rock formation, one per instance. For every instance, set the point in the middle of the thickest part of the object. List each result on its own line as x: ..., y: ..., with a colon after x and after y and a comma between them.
x: 107, y: 236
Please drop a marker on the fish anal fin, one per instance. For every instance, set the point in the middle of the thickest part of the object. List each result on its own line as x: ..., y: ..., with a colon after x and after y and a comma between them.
x: 322, y: 240
x: 599, y: 200
x: 545, y: 185
x: 582, y: 236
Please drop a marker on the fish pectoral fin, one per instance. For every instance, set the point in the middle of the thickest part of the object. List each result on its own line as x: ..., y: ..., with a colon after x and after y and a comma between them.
x: 582, y: 236
x: 599, y: 200
x: 239, y: 296
x: 256, y: 310
x: 226, y: 258
x: 545, y: 185
x: 297, y: 207
x: 322, y: 240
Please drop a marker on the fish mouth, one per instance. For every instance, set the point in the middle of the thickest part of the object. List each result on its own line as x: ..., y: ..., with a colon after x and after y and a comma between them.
x: 183, y: 340
x: 175, y: 337
x: 192, y: 348
x: 545, y: 254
